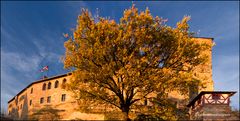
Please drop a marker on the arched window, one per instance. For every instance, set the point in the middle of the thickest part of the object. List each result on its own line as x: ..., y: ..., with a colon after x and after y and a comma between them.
x: 56, y: 84
x: 44, y: 87
x: 49, y: 85
x: 64, y: 83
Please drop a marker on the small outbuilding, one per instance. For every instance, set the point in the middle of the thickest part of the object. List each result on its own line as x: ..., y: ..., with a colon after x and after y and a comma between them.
x: 211, y: 105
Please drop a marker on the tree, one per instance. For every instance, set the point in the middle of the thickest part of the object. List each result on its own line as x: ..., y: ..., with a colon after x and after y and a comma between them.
x: 123, y: 63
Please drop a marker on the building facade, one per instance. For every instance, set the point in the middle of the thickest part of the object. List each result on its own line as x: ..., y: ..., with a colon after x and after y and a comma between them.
x: 46, y: 96
x: 50, y: 95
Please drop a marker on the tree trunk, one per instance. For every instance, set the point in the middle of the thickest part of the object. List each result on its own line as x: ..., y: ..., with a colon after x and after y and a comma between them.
x: 126, y: 118
x: 125, y: 111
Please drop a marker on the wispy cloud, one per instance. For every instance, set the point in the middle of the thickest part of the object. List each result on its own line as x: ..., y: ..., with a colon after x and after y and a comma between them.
x: 16, y: 69
x: 19, y: 62
x: 44, y: 52
x: 226, y: 75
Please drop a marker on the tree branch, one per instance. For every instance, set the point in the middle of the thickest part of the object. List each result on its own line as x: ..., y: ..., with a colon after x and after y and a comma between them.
x: 102, y: 98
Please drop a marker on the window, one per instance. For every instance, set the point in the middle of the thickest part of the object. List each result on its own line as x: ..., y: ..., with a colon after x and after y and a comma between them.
x: 64, y: 83
x: 49, y: 85
x: 21, y: 98
x: 49, y: 99
x: 56, y: 84
x: 31, y: 90
x: 30, y: 102
x: 41, y: 100
x: 63, y: 97
x: 44, y: 87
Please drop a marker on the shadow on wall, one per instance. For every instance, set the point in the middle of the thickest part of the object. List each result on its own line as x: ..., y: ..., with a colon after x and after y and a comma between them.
x: 46, y: 113
x: 14, y: 113
x: 21, y: 111
x: 24, y: 113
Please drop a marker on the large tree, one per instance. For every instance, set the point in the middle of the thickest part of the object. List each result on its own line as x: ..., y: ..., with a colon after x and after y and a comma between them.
x: 122, y: 63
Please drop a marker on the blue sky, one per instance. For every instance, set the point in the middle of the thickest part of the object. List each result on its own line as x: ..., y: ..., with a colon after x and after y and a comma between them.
x: 32, y: 36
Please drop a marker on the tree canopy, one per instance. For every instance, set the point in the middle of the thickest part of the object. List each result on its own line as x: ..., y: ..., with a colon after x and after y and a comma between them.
x: 123, y: 63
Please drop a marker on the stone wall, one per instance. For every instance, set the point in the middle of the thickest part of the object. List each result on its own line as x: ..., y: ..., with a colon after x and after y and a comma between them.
x: 202, y: 72
x: 214, y: 112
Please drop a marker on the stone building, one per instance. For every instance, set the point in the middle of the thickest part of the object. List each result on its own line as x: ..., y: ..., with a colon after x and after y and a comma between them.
x: 50, y: 94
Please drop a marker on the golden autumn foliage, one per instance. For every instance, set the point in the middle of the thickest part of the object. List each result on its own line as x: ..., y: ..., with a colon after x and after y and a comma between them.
x: 122, y: 63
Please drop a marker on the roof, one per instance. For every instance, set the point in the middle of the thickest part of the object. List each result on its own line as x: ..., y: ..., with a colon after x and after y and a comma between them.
x: 209, y: 92
x: 205, y: 38
x: 39, y: 81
